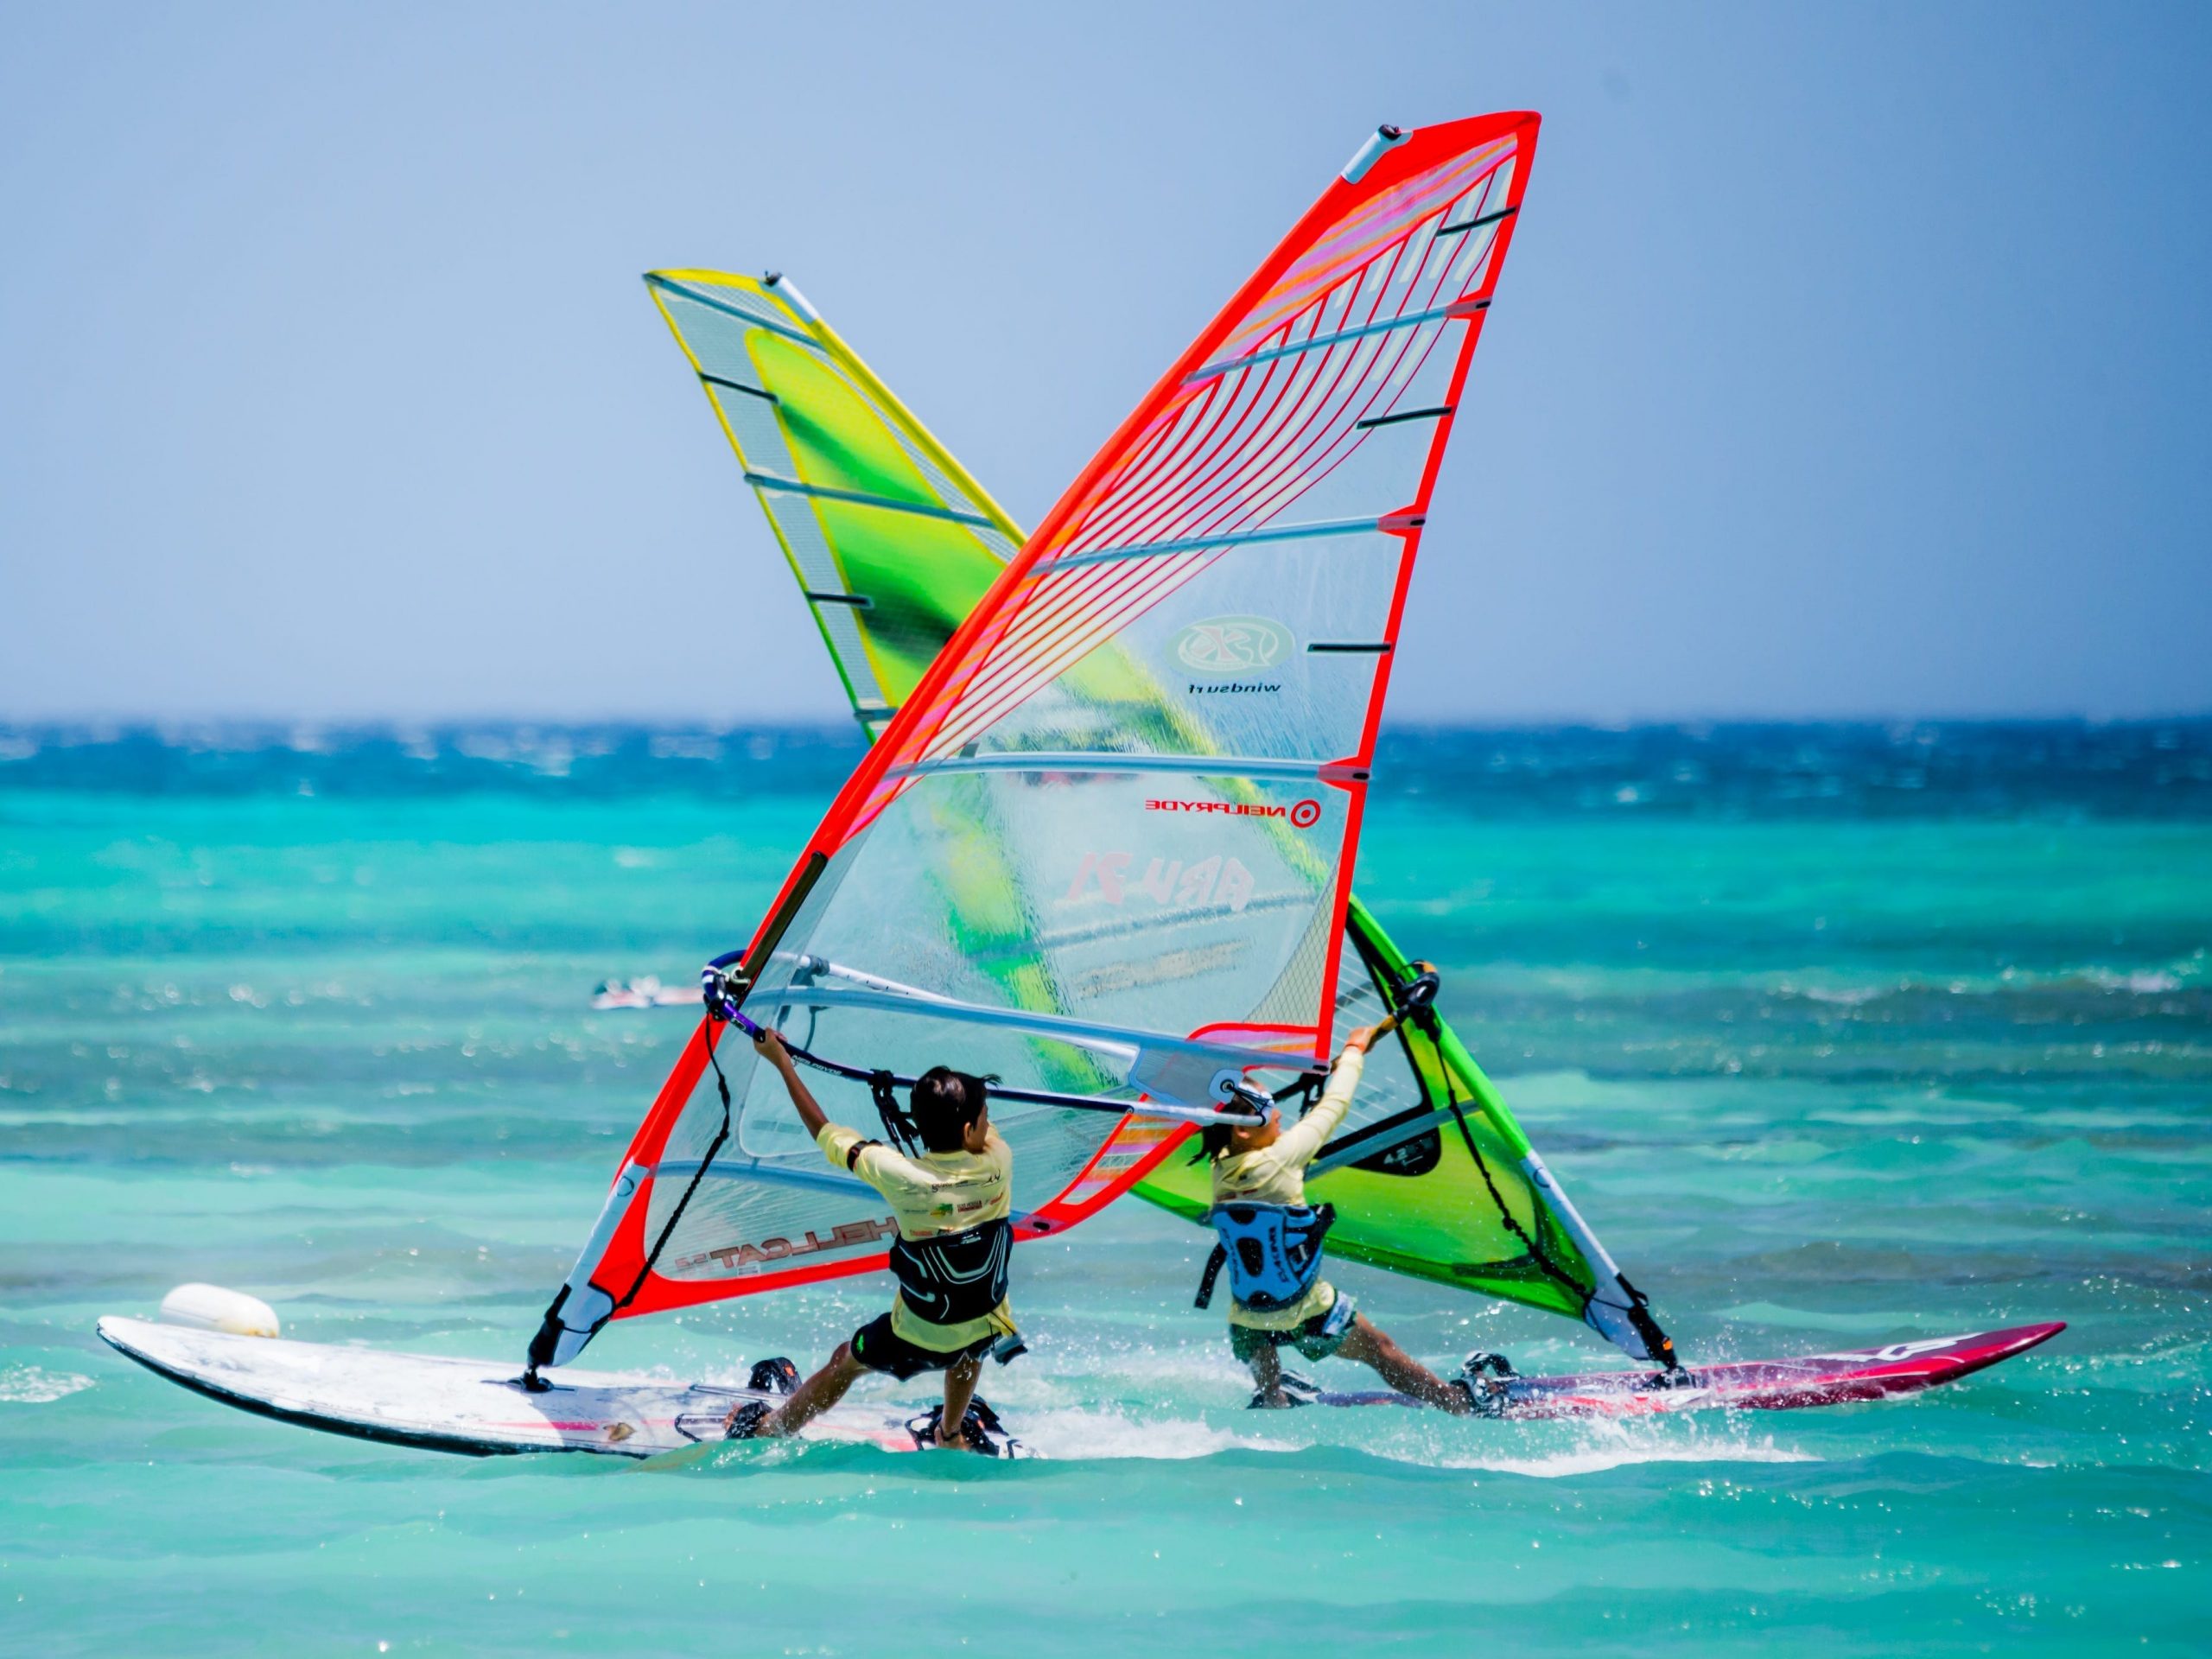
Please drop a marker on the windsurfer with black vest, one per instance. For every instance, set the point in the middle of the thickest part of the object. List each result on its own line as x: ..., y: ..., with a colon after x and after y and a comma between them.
x: 1270, y: 1241
x: 951, y: 1204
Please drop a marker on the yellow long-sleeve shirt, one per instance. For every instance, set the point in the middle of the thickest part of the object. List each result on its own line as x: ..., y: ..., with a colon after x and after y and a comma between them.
x: 1276, y: 1174
x: 937, y: 1193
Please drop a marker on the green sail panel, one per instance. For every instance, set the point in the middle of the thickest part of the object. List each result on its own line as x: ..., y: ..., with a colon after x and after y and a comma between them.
x: 893, y: 543
x: 1443, y: 1197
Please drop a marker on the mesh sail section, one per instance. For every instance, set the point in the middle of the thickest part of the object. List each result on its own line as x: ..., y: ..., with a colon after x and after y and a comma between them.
x: 1104, y: 846
x: 1235, y: 562
x: 892, y: 543
x: 1424, y: 1182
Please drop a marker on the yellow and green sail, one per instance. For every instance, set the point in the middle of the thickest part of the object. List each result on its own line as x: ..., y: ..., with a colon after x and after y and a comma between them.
x: 893, y: 543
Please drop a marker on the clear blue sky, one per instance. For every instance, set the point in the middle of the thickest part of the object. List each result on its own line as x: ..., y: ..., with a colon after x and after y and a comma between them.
x: 1850, y: 360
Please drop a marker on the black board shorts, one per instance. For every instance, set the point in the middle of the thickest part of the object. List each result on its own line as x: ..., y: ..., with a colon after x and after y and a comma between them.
x: 880, y: 1348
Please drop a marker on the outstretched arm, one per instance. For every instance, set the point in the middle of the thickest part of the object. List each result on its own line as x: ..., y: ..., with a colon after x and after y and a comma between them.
x: 769, y: 1047
x: 1298, y: 1144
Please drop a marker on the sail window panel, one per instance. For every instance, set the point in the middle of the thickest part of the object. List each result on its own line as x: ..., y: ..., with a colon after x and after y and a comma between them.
x: 840, y: 626
x: 753, y: 429
x: 704, y: 307
x: 1211, y: 659
x: 753, y: 1225
x: 717, y: 338
x: 1127, y: 899
x: 735, y: 1230
x: 796, y: 521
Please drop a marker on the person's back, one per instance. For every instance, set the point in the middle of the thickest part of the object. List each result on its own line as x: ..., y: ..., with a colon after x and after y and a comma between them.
x: 1271, y: 1242
x: 952, y: 1204
x: 951, y: 1209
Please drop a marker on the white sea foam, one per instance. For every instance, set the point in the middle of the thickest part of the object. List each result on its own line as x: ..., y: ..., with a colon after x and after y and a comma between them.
x: 33, y: 1385
x: 1591, y: 1458
x: 1104, y: 1434
x: 2141, y: 983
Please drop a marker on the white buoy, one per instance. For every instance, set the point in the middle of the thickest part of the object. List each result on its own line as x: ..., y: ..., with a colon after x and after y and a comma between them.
x: 210, y: 1308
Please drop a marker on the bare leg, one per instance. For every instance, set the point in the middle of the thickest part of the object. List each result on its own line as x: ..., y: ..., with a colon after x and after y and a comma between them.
x: 814, y: 1396
x: 1266, y: 1371
x: 959, y: 1388
x: 1401, y: 1369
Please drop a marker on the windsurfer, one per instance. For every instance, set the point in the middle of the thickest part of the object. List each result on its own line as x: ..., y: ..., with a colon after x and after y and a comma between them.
x: 951, y: 1205
x: 1271, y: 1242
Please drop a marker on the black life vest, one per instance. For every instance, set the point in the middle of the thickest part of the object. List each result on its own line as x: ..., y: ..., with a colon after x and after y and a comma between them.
x: 950, y: 1278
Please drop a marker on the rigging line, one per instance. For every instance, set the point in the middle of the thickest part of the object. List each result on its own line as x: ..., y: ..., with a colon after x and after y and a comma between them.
x: 773, y: 931
x: 668, y: 1229
x: 1537, y: 1253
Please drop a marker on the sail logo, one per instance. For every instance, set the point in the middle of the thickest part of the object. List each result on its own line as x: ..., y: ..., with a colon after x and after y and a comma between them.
x: 1233, y: 645
x: 1168, y: 882
x: 1306, y: 814
x: 736, y: 1258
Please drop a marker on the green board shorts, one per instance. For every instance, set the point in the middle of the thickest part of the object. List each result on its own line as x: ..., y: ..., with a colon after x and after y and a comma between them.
x: 880, y: 1348
x: 1317, y: 1339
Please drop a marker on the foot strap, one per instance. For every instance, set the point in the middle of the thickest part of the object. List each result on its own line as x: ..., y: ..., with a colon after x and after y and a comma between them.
x: 745, y: 1422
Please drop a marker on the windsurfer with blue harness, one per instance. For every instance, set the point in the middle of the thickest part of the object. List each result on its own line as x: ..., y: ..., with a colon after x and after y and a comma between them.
x: 1271, y: 1239
x: 950, y: 1201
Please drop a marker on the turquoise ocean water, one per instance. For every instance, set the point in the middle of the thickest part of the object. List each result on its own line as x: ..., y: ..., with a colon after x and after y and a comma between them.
x: 1838, y: 1035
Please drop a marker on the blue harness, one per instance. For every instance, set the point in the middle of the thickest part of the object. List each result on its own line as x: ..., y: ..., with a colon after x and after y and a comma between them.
x: 1272, y: 1252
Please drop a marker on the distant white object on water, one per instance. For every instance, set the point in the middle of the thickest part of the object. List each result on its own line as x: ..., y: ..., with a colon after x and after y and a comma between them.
x: 210, y: 1308
x: 643, y: 992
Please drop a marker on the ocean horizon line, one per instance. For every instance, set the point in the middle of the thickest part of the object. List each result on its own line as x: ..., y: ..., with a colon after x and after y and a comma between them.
x: 2147, y: 768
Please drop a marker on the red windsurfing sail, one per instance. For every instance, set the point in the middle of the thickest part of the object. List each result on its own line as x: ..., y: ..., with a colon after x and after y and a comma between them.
x: 1105, y: 848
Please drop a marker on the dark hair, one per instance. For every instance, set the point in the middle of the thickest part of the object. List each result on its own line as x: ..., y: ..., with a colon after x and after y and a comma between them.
x: 943, y: 1104
x: 1214, y: 1139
